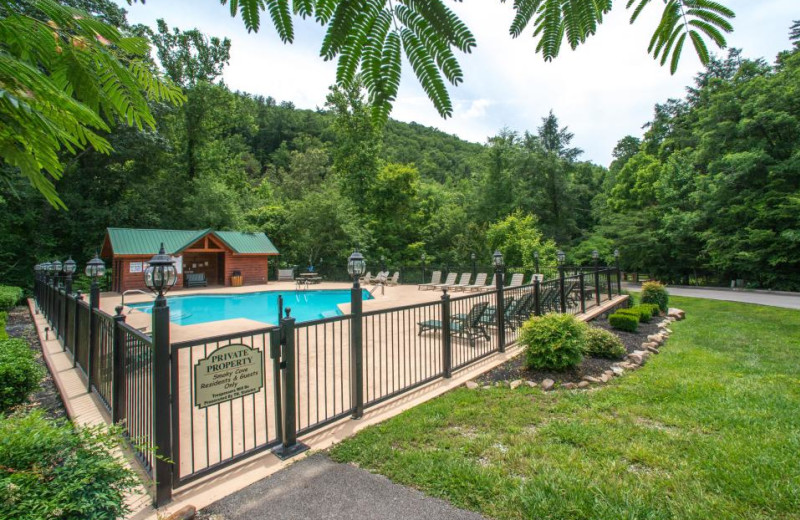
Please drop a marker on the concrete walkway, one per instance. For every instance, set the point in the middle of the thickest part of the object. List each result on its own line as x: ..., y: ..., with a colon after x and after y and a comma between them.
x: 317, y: 488
x: 785, y: 300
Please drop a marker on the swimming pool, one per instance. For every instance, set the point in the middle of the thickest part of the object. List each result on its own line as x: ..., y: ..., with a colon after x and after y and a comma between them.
x: 258, y: 306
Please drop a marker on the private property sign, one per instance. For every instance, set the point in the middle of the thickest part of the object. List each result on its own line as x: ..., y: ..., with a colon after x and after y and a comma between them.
x: 228, y: 373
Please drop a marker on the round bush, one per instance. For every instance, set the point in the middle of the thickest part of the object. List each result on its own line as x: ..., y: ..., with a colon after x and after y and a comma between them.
x: 655, y: 293
x: 645, y: 312
x: 553, y: 341
x: 654, y: 309
x: 622, y: 321
x: 604, y: 344
x: 19, y: 373
x: 50, y: 470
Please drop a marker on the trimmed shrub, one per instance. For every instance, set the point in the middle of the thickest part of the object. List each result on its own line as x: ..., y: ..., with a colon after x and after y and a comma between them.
x: 3, y: 323
x: 604, y: 344
x: 50, y: 470
x: 19, y: 373
x: 645, y: 313
x: 553, y: 341
x: 654, y: 309
x: 9, y: 297
x: 656, y: 293
x: 622, y: 321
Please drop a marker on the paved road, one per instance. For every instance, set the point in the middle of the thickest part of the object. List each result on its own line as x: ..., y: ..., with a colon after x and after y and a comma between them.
x: 317, y: 488
x: 787, y: 301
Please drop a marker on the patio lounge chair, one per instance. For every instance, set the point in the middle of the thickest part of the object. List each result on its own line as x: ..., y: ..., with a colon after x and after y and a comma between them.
x: 395, y: 279
x: 367, y: 278
x: 516, y: 280
x: 380, y: 278
x: 480, y: 282
x: 436, y: 279
x: 522, y: 311
x: 468, y: 326
x: 491, y: 286
x: 462, y: 283
x: 450, y: 281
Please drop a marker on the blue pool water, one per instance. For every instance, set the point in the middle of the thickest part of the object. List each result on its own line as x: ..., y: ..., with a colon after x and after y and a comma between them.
x: 259, y: 306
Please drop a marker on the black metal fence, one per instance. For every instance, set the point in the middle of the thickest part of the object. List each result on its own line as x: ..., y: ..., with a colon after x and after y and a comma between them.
x: 312, y: 373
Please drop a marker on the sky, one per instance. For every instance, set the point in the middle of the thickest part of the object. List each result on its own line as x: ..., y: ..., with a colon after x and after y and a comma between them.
x: 603, y: 91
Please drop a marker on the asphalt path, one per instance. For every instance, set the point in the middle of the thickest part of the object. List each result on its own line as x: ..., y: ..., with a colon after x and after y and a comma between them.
x: 773, y: 299
x: 317, y: 488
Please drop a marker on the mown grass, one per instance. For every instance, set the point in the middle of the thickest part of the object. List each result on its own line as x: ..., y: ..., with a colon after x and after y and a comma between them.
x: 709, y: 429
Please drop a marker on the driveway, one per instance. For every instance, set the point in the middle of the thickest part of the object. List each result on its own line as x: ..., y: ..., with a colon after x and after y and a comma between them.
x: 785, y: 300
x: 317, y: 488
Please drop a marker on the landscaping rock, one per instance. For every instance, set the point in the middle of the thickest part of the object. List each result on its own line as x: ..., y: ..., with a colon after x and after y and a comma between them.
x: 472, y: 385
x: 605, y: 378
x: 591, y: 379
x: 678, y: 314
x: 655, y: 338
x: 548, y: 385
x: 569, y: 386
x: 652, y: 349
x: 618, y: 371
x: 185, y: 513
x: 583, y: 384
x: 515, y: 384
x: 532, y: 384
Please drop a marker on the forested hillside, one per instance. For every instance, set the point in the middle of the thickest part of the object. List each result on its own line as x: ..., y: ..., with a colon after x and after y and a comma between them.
x: 713, y: 184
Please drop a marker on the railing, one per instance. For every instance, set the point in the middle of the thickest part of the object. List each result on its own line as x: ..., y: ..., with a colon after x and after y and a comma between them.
x: 311, y: 373
x: 208, y: 438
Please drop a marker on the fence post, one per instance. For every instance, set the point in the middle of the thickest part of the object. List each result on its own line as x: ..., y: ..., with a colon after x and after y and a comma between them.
x: 118, y: 366
x: 289, y: 446
x: 610, y: 286
x: 596, y: 284
x: 537, y: 302
x: 76, y: 328
x: 583, y: 292
x: 94, y: 303
x: 562, y: 296
x: 356, y: 352
x: 447, y: 340
x: 501, y: 311
x: 162, y: 470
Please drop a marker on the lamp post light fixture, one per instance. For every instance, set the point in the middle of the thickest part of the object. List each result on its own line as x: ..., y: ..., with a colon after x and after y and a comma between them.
x: 160, y: 276
x: 383, y: 263
x: 356, y: 266
x: 595, y: 257
x: 56, y: 267
x: 497, y: 257
x: 536, y: 261
x: 69, y: 269
x: 561, y: 257
x: 423, y: 257
x: 473, y: 256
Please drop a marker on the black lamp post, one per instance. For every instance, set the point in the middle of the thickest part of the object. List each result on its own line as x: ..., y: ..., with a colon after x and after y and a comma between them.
x: 69, y: 269
x: 619, y: 272
x: 497, y: 260
x: 424, y: 256
x: 562, y: 258
x: 383, y: 263
x: 536, y: 261
x: 95, y: 269
x: 356, y: 266
x: 474, y: 269
x: 596, y: 257
x: 57, y: 266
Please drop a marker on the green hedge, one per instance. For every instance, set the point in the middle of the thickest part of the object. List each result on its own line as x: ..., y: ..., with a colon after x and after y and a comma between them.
x: 9, y: 297
x: 654, y: 308
x: 604, y: 344
x: 623, y: 321
x: 553, y: 341
x: 3, y: 323
x: 50, y: 470
x: 19, y: 373
x: 656, y: 293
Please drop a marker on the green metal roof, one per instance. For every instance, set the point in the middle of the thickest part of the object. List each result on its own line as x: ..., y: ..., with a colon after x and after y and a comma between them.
x: 247, y: 243
x: 126, y: 241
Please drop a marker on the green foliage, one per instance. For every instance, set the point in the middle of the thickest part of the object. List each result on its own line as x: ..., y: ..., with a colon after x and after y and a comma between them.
x: 624, y: 321
x: 517, y: 236
x: 19, y: 373
x: 653, y: 308
x: 655, y: 293
x: 65, y: 75
x: 48, y: 469
x: 3, y: 323
x: 553, y: 341
x: 603, y: 344
x: 9, y: 297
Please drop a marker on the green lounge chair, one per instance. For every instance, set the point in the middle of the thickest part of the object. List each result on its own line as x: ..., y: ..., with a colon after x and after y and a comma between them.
x: 436, y: 278
x: 468, y: 326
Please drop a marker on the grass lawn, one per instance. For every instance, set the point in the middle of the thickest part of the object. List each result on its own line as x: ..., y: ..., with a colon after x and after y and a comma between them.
x: 708, y: 429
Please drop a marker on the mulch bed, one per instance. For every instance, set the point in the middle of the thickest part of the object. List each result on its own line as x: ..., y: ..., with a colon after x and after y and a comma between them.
x: 20, y: 325
x: 590, y: 366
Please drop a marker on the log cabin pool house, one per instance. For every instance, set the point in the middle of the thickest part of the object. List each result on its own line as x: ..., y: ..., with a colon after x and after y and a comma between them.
x: 204, y: 257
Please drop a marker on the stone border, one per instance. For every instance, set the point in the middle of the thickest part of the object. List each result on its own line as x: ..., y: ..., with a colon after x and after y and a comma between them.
x: 632, y: 361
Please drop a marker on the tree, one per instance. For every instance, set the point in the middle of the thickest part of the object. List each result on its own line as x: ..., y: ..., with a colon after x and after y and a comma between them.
x: 518, y: 238
x: 66, y: 75
x: 794, y: 33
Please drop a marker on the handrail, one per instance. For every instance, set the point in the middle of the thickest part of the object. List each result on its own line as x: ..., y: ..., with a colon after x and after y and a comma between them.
x: 132, y: 291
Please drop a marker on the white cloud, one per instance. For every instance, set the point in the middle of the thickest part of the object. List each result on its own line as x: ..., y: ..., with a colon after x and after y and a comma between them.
x: 603, y: 91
